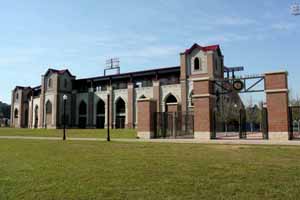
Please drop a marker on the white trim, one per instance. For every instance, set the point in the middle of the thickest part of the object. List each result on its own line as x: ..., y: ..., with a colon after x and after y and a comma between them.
x: 203, y: 96
x: 277, y: 90
x: 277, y: 72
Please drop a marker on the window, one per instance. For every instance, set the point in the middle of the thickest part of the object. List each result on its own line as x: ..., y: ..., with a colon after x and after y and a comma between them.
x: 66, y: 83
x: 48, y: 107
x: 17, y: 96
x: 197, y: 64
x: 16, y: 113
x: 50, y: 83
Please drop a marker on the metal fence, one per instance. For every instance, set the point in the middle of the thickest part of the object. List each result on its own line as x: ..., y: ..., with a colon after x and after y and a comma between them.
x: 173, y: 125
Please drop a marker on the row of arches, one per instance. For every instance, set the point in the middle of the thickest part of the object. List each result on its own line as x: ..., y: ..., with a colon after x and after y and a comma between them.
x: 100, y: 110
x: 120, y: 117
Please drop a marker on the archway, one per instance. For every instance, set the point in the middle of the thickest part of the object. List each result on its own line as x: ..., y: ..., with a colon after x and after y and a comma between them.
x: 36, y: 116
x: 100, y: 114
x: 120, y: 113
x: 168, y: 100
x: 82, y: 114
x: 48, y: 113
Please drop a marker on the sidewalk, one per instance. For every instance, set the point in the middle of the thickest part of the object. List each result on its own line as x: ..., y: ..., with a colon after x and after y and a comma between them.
x: 187, y: 141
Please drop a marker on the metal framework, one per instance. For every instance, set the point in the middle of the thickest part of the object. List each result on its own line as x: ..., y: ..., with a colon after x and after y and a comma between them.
x: 240, y: 84
x: 112, y: 64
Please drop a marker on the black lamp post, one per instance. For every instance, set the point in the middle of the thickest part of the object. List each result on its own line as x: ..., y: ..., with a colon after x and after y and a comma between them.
x: 65, y: 98
x: 108, y: 118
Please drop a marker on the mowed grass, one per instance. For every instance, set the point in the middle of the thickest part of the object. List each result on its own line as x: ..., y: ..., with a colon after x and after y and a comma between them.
x: 79, y: 133
x: 98, y: 170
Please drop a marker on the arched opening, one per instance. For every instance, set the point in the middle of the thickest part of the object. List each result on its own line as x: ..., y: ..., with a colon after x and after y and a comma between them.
x: 170, y: 99
x: 16, y: 113
x: 36, y: 116
x: 82, y: 114
x: 48, y: 113
x: 50, y: 83
x: 120, y: 113
x: 142, y: 97
x: 100, y: 114
x: 26, y: 118
x: 197, y: 64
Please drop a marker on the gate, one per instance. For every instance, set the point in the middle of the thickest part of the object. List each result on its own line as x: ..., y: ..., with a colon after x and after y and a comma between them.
x: 173, y: 125
x: 237, y: 124
x: 294, y: 120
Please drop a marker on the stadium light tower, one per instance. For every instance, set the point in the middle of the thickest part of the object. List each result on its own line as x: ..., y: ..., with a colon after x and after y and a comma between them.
x: 295, y: 9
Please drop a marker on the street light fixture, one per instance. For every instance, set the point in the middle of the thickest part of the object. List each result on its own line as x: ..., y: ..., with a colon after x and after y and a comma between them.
x: 65, y: 98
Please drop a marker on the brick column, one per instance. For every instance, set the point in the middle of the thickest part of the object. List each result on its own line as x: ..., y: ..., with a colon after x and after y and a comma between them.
x: 91, y: 109
x: 146, y: 108
x: 184, y: 82
x: 111, y: 106
x: 203, y: 108
x: 276, y: 85
x: 12, y: 113
x: 130, y: 122
x: 156, y: 94
x: 42, y: 104
x: 30, y: 110
x: 73, y: 109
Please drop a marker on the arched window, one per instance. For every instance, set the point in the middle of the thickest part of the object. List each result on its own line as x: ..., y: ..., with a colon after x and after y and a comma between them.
x: 50, y: 83
x: 82, y: 108
x: 48, y: 107
x: 171, y: 99
x: 197, y: 64
x: 120, y: 105
x: 17, y: 96
x: 16, y: 113
x: 100, y: 107
x: 143, y: 97
x: 120, y: 113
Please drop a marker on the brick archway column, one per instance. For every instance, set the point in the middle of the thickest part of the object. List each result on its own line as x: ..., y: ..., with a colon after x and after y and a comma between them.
x: 146, y: 109
x: 276, y: 85
x: 204, y: 102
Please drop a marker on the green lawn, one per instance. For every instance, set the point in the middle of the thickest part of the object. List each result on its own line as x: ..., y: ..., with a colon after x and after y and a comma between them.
x: 88, y: 133
x: 79, y: 170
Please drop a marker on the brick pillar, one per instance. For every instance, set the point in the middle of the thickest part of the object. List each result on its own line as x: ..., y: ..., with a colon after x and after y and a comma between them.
x: 184, y: 83
x: 30, y: 110
x: 12, y: 114
x: 73, y: 109
x: 156, y: 94
x: 173, y: 107
x: 42, y: 104
x: 146, y: 108
x: 130, y: 122
x: 111, y: 106
x: 203, y: 108
x: 91, y: 109
x: 21, y: 110
x: 276, y: 85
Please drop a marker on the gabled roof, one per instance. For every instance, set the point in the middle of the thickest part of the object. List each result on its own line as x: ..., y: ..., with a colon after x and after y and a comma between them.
x: 205, y: 48
x: 61, y: 72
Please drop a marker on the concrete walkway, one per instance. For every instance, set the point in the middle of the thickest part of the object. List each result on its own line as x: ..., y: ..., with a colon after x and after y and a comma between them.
x: 188, y: 141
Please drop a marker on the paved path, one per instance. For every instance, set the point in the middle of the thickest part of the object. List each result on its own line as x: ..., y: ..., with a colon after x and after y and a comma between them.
x: 191, y: 141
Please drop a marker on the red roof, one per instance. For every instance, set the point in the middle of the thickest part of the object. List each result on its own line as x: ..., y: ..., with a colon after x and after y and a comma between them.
x: 206, y: 48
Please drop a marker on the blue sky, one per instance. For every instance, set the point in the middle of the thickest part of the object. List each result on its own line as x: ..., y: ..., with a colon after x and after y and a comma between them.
x: 81, y: 34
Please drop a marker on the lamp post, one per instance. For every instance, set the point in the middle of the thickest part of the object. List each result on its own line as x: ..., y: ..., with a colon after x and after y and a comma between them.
x: 65, y: 98
x: 108, y: 118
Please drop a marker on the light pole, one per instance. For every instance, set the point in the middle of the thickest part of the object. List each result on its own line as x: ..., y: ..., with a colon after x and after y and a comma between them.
x: 65, y: 98
x: 108, y: 118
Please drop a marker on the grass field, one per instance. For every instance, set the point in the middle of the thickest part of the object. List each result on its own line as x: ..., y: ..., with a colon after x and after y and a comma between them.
x: 97, y: 170
x: 79, y: 133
